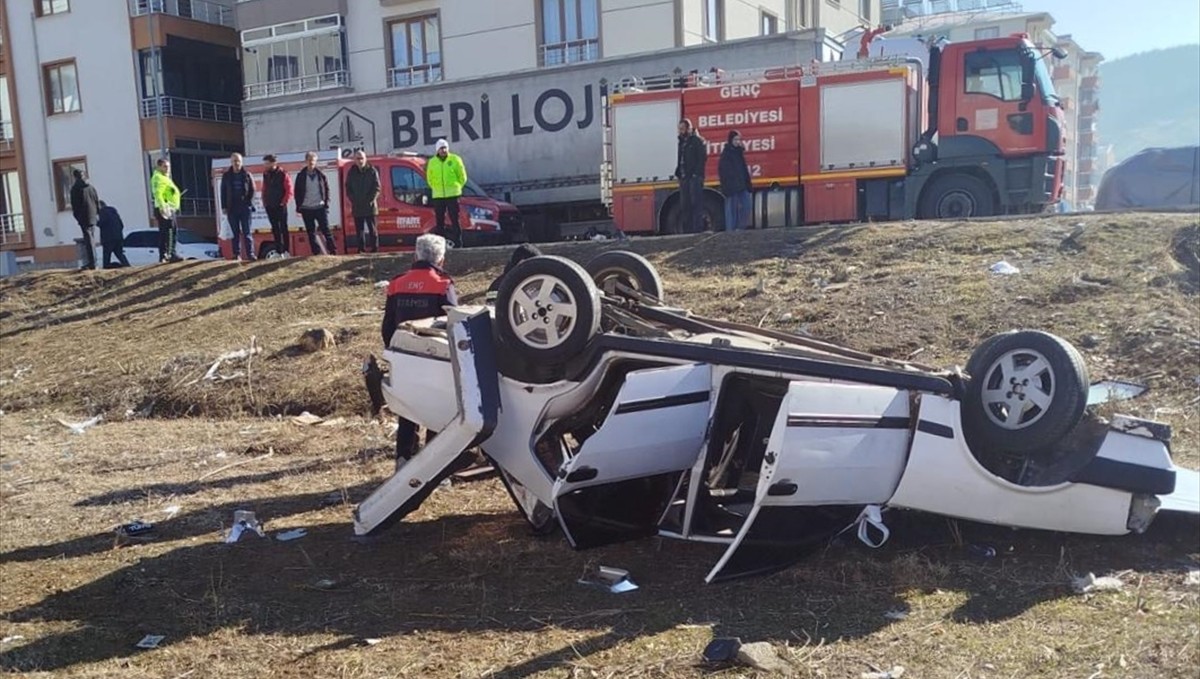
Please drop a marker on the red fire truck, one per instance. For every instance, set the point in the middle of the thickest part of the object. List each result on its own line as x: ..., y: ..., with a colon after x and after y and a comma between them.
x: 956, y: 130
x: 405, y: 208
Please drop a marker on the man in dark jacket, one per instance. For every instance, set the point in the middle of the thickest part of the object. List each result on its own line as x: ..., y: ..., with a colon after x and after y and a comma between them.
x: 689, y: 170
x: 362, y: 188
x: 277, y: 191
x: 85, y: 205
x: 312, y: 202
x: 237, y: 201
x: 735, y: 183
x: 112, y: 236
x: 421, y: 292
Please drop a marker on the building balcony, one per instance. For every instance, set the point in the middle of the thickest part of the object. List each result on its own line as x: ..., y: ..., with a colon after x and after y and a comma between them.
x: 1089, y: 109
x: 1089, y: 83
x: 1063, y: 72
x: 178, y: 107
x: 13, y: 234
x: 570, y: 52
x: 411, y: 76
x: 308, y: 83
x: 198, y: 10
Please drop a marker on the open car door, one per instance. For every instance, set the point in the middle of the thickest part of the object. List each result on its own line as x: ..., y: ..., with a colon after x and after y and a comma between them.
x: 619, y: 483
x: 478, y: 391
x: 834, y: 450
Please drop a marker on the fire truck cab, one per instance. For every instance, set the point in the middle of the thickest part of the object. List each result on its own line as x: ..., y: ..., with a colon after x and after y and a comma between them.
x: 405, y: 207
x: 960, y: 130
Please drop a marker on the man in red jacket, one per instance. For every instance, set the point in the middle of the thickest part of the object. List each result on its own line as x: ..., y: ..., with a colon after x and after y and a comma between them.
x: 421, y: 292
x: 276, y: 194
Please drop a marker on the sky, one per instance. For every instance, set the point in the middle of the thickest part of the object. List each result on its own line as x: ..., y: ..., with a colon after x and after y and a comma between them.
x: 1118, y: 28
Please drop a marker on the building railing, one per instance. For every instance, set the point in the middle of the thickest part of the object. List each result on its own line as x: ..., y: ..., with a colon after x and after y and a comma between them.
x: 12, y: 231
x: 197, y: 207
x: 409, y: 76
x: 178, y: 107
x: 308, y: 83
x: 570, y: 52
x: 200, y: 10
x: 7, y: 136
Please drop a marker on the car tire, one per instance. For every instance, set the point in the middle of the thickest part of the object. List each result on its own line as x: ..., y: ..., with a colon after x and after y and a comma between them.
x: 1027, y: 390
x: 627, y: 268
x: 957, y: 196
x: 547, y: 310
x: 268, y: 248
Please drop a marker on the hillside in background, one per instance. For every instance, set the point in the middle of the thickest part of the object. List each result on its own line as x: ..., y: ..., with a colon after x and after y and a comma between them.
x: 1151, y: 99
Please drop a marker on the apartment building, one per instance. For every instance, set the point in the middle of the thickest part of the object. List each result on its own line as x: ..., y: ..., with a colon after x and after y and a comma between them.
x: 108, y: 88
x: 1076, y: 78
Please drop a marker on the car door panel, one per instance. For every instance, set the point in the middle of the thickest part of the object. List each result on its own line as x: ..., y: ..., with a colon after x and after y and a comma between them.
x: 617, y: 485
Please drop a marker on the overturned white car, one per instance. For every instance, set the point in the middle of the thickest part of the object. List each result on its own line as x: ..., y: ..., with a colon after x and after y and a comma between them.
x: 615, y: 416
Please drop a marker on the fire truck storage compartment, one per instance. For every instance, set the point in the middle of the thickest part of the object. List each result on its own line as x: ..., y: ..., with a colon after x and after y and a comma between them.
x: 863, y: 124
x: 644, y: 142
x: 633, y: 208
x: 834, y: 200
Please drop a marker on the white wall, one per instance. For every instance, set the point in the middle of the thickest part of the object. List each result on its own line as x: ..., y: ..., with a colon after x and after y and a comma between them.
x: 482, y: 38
x: 633, y: 26
x: 106, y: 131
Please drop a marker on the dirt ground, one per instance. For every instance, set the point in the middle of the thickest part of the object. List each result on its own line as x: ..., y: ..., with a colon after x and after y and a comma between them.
x: 460, y: 589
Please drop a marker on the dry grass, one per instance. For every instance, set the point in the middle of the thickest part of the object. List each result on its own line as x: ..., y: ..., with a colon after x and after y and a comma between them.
x: 460, y: 589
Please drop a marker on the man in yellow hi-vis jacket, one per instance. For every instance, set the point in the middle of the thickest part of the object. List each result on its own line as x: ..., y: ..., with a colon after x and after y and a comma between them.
x: 167, y: 199
x: 447, y: 176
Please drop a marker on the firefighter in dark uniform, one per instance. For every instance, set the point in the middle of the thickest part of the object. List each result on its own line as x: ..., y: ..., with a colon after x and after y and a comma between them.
x: 421, y: 292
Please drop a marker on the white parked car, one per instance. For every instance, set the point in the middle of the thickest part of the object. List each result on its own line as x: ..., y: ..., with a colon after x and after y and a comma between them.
x: 141, y: 246
x: 613, y: 416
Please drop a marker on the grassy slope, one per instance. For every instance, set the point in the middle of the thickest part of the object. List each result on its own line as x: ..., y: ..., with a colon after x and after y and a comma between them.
x: 460, y: 590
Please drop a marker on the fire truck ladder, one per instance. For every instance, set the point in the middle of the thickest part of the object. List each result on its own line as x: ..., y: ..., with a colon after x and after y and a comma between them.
x: 718, y: 77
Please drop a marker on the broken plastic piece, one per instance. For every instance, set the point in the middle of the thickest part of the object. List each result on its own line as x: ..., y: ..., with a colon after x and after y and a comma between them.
x: 1111, y: 391
x: 872, y: 517
x: 294, y: 534
x: 80, y: 427
x: 1091, y: 583
x: 243, y: 521
x: 151, y: 641
x: 1004, y: 268
x: 615, y: 580
x: 894, y: 673
x: 134, y: 528
x: 722, y: 650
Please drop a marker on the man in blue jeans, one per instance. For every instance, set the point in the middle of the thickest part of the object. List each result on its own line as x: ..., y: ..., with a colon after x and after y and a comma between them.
x: 735, y: 183
x: 237, y: 200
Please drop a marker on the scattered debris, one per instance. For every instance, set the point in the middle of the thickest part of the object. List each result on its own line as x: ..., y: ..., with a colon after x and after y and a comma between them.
x: 382, y: 284
x: 615, y: 580
x: 1193, y: 579
x: 475, y: 473
x: 325, y: 584
x: 243, y: 521
x: 833, y: 287
x: 134, y: 529
x: 916, y: 352
x: 294, y: 534
x: 1091, y: 583
x: 371, y: 642
x: 211, y: 375
x: 722, y: 650
x: 80, y: 427
x: 11, y: 639
x: 151, y: 641
x: 308, y: 419
x: 896, y: 615
x: 316, y: 339
x: 1004, y: 268
x: 787, y: 317
x: 982, y: 551
x: 762, y: 656
x: 270, y: 453
x: 172, y: 511
x: 895, y: 673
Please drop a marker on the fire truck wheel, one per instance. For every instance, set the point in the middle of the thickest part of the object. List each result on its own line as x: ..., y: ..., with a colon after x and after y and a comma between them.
x: 957, y: 196
x: 1027, y: 390
x: 627, y: 268
x: 547, y: 310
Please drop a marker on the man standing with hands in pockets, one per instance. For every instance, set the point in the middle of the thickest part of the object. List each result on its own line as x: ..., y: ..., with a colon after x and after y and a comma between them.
x: 447, y: 176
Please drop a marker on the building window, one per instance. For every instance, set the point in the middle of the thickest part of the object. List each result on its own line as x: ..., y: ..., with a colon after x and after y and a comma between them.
x: 64, y: 171
x: 987, y: 33
x: 48, y: 7
x: 770, y: 24
x: 570, y: 32
x: 416, y: 51
x: 994, y: 73
x: 864, y: 9
x: 6, y: 118
x: 62, y: 88
x: 299, y: 56
x: 12, y: 214
x: 714, y: 24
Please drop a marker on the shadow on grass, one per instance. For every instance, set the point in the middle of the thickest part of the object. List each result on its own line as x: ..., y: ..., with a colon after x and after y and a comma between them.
x: 438, y: 576
x: 191, y: 488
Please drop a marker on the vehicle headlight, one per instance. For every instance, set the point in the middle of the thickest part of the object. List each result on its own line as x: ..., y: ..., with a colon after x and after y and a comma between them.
x: 479, y: 213
x: 215, y: 254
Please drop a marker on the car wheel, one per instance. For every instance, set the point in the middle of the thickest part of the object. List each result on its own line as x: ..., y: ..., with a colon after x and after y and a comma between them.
x: 957, y: 196
x: 1027, y: 390
x: 268, y: 251
x: 547, y: 310
x: 627, y: 268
